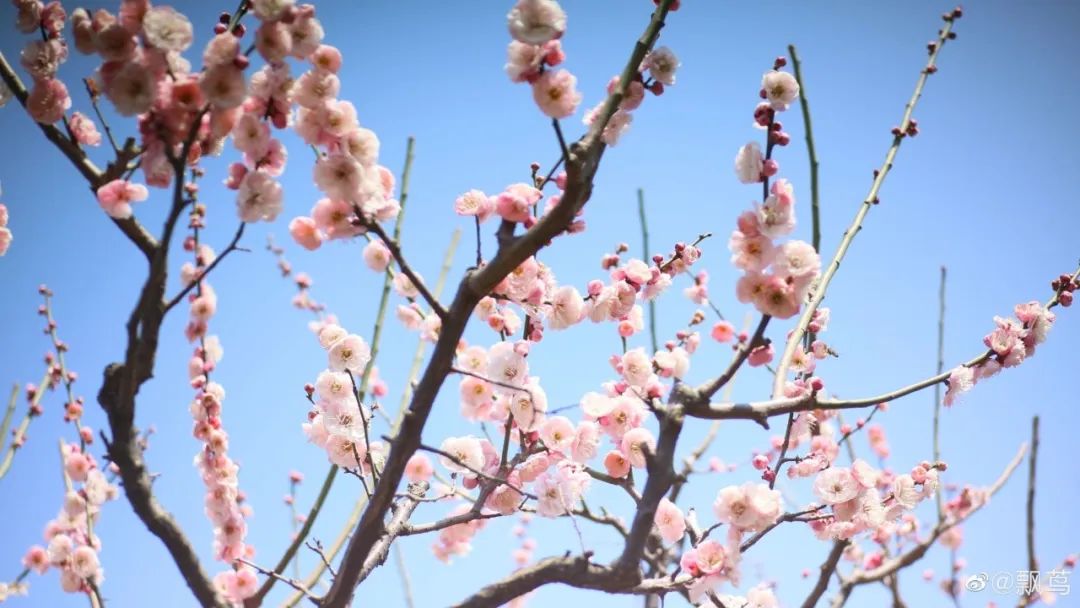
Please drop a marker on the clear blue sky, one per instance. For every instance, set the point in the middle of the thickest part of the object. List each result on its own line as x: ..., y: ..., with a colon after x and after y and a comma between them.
x: 984, y: 190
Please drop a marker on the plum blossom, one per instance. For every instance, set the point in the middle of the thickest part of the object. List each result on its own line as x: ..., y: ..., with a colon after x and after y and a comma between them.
x: 418, y: 468
x: 554, y: 92
x: 350, y: 353
x: 167, y: 29
x: 116, y: 197
x: 306, y: 234
x: 567, y: 308
x: 670, y: 521
x: 536, y: 21
x: 259, y: 197
x: 636, y: 443
x: 84, y: 129
x: 748, y: 163
x: 780, y: 88
x: 961, y: 379
x: 836, y: 485
x: 48, y: 100
x: 507, y: 365
x: 752, y: 506
x: 377, y: 256
x: 476, y: 203
x: 467, y: 451
x: 662, y: 65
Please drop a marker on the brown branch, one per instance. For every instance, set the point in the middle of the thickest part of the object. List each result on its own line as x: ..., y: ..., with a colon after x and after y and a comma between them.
x: 94, y: 176
x: 295, y: 584
x: 398, y: 522
x: 581, y: 167
x: 217, y: 260
x: 827, y: 569
x: 1033, y: 562
x: 856, y: 225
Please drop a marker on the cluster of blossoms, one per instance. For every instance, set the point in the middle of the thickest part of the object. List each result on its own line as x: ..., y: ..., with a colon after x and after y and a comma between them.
x: 777, y: 277
x: 358, y: 190
x: 661, y: 65
x: 338, y: 422
x: 865, y: 499
x: 224, y: 501
x: 72, y: 547
x: 49, y: 99
x: 1013, y: 341
x: 536, y: 27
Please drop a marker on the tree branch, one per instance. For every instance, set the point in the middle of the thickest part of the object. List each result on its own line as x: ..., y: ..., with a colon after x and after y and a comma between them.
x: 94, y: 176
x: 581, y: 168
x: 821, y: 288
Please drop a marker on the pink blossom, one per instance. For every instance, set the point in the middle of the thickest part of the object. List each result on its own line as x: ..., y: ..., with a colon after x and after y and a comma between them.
x: 799, y: 260
x: 273, y: 41
x: 669, y: 520
x: 340, y: 177
x: 5, y: 240
x: 223, y: 86
x: 780, y: 88
x: 751, y: 253
x: 259, y: 197
x: 327, y: 58
x: 616, y: 464
x: 836, y: 485
x: 777, y: 298
x: 42, y: 58
x: 468, y: 453
x: 167, y: 29
x: 36, y: 559
x: 1036, y: 319
x: 48, y: 100
x: 748, y: 163
x: 636, y: 443
x: 636, y: 367
x: 567, y: 308
x: 586, y: 441
x: 515, y: 203
x: 315, y: 87
x: 507, y: 365
x: 85, y: 131
x: 723, y: 331
x: 132, y: 89
x: 961, y: 379
x: 555, y: 94
x: 474, y: 202
x: 84, y: 562
x: 662, y: 65
x: 350, y: 353
x: 418, y: 468
x: 377, y: 256
x: 536, y: 21
x: 306, y: 234
x: 220, y: 50
x: 748, y: 507
x: 557, y: 433
x: 116, y: 197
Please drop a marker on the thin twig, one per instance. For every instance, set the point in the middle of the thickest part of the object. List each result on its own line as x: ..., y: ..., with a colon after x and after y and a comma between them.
x: 815, y: 212
x: 856, y: 225
x: 645, y: 256
x: 1033, y: 562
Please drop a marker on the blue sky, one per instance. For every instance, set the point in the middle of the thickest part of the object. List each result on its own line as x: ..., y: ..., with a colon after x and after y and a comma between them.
x: 982, y: 190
